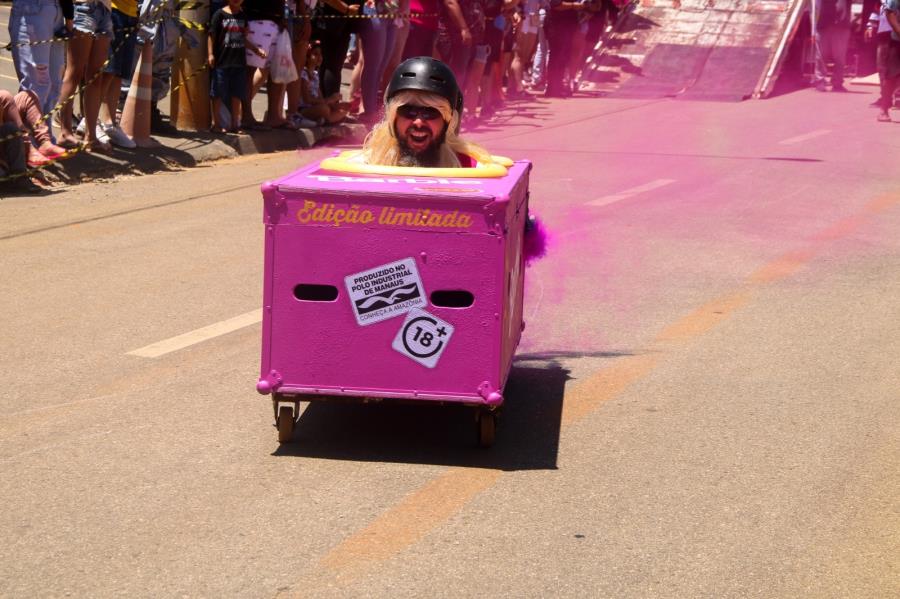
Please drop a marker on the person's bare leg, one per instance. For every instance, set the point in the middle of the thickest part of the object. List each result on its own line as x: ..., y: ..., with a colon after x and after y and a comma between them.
x: 577, y: 56
x: 109, y: 104
x: 356, y: 79
x: 524, y: 49
x: 103, y: 114
x: 77, y: 52
x: 259, y: 78
x: 217, y: 115
x: 235, y: 114
x: 94, y: 92
x: 298, y: 51
x: 473, y: 81
x: 275, y: 104
x: 249, y: 119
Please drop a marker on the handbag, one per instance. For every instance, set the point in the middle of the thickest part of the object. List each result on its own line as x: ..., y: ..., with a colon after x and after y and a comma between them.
x: 282, y: 67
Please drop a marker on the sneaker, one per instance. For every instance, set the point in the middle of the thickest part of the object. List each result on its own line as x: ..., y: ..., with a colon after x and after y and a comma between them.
x: 838, y: 88
x: 100, y: 132
x: 117, y: 137
x: 884, y: 117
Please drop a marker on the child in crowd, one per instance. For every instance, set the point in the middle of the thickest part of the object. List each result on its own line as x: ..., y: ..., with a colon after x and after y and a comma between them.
x: 312, y: 105
x: 227, y: 42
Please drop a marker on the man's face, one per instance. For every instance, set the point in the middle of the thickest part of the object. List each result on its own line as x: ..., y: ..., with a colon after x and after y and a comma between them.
x: 420, y: 131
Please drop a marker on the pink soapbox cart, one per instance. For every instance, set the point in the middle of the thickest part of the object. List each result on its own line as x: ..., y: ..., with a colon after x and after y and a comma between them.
x: 384, y: 283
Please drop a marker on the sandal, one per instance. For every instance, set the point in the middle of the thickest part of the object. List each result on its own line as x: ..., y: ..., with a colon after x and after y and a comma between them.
x: 100, y: 147
x: 53, y: 151
x: 36, y: 159
x: 68, y: 143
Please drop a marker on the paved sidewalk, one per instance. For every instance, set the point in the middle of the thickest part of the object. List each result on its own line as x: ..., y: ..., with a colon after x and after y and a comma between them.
x: 188, y: 149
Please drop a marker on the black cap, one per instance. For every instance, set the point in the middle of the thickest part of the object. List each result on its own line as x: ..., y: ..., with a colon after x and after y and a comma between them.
x: 426, y: 74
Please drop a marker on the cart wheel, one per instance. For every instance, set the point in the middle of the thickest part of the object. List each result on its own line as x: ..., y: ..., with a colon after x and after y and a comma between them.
x: 487, y: 428
x: 285, y: 424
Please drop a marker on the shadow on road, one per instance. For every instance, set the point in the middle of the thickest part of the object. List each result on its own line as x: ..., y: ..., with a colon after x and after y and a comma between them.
x: 527, y: 435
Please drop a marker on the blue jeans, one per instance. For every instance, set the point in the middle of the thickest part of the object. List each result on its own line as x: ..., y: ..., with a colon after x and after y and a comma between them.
x: 122, y: 47
x: 39, y: 67
x: 377, y: 37
x: 539, y: 62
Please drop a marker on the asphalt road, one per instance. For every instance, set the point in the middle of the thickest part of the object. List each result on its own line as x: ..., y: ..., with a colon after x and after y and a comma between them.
x: 704, y: 404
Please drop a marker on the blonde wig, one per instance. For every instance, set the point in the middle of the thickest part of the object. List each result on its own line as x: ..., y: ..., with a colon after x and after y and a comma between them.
x: 381, y: 145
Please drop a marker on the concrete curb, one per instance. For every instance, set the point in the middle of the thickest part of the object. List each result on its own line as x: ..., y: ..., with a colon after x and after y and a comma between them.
x: 190, y: 149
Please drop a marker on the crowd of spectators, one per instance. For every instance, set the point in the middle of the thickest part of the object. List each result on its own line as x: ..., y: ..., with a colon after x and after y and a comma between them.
x: 498, y: 50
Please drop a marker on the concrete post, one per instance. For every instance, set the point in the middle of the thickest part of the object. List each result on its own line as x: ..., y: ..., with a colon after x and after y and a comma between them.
x: 190, y: 108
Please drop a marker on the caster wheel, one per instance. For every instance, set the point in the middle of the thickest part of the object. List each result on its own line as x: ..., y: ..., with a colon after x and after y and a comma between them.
x: 285, y: 424
x: 487, y: 428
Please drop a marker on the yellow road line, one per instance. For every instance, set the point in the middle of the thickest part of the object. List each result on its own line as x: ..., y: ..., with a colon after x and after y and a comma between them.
x: 8, y: 77
x: 6, y: 58
x: 439, y: 499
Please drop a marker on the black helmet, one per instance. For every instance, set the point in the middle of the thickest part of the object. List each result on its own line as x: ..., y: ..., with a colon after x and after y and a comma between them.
x: 426, y: 74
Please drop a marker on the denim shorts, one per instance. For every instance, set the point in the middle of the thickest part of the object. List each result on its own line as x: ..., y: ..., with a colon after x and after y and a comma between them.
x: 228, y: 82
x: 121, y: 49
x: 93, y: 17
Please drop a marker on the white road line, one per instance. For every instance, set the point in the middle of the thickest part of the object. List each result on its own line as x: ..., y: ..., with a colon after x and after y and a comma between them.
x: 623, y: 195
x: 805, y: 137
x: 166, y: 346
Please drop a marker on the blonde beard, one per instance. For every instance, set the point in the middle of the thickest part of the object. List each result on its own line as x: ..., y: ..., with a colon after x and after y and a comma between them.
x: 382, y: 146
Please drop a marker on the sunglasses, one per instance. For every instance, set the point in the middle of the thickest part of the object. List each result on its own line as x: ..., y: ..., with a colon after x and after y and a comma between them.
x: 413, y: 112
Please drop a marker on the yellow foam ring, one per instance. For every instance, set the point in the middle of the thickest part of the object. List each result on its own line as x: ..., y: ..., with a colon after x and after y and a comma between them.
x: 344, y: 163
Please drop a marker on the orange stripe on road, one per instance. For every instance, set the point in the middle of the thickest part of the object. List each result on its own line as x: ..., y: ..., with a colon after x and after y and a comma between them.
x: 883, y: 203
x: 782, y: 267
x: 840, y: 229
x: 411, y: 519
x: 605, y: 385
x: 704, y: 318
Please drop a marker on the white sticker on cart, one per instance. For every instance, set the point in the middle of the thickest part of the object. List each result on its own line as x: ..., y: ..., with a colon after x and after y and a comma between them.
x: 423, y: 337
x: 385, y: 291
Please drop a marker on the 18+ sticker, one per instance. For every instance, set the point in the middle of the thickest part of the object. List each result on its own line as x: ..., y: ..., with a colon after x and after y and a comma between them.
x: 423, y: 337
